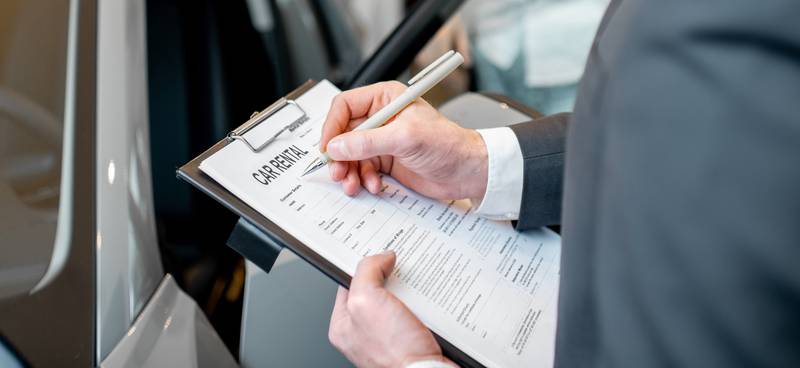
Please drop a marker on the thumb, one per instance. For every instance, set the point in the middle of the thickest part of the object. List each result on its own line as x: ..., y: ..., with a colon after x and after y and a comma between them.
x: 372, y: 271
x: 364, y: 144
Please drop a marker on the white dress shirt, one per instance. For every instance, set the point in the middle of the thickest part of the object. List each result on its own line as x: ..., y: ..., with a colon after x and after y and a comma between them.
x: 429, y: 364
x: 505, y: 177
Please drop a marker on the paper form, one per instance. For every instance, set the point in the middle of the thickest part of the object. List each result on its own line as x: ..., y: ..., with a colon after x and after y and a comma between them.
x: 487, y: 289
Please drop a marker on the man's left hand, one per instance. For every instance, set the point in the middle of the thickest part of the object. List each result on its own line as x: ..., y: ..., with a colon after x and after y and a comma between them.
x: 373, y: 328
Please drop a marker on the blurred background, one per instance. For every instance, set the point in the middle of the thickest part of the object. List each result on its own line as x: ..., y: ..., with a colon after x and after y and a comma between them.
x: 212, y: 64
x: 101, y: 101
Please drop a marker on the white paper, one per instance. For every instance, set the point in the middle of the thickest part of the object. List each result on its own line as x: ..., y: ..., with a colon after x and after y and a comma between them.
x: 487, y: 289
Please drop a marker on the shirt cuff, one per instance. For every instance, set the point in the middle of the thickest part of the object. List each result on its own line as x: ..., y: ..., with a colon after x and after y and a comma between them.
x: 429, y: 364
x: 505, y: 176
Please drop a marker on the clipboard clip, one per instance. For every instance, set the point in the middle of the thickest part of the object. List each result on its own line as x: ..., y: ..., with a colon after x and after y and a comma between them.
x: 259, y: 117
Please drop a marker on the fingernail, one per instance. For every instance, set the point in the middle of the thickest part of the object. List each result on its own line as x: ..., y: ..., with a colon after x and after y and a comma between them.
x: 375, y: 186
x: 336, y: 147
x: 387, y: 252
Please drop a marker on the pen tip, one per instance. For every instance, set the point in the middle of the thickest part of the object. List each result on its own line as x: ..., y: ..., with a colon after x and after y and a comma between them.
x: 314, y: 166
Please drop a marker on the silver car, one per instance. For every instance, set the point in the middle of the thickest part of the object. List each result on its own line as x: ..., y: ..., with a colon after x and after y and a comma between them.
x: 81, y: 279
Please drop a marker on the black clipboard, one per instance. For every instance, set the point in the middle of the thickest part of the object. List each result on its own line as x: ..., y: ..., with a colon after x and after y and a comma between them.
x: 190, y: 172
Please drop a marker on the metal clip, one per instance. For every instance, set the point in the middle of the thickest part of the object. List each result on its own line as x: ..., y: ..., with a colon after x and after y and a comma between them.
x: 259, y: 117
x: 430, y: 67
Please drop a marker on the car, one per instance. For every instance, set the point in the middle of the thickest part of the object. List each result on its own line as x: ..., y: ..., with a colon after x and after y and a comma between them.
x: 81, y: 278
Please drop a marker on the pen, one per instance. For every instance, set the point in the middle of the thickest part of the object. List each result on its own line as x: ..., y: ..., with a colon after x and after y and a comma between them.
x: 417, y: 86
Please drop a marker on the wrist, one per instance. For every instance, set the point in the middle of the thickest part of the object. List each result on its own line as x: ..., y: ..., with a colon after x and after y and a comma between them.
x: 477, y: 163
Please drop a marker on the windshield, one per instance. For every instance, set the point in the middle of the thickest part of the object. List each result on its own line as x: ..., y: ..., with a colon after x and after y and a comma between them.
x: 33, y: 50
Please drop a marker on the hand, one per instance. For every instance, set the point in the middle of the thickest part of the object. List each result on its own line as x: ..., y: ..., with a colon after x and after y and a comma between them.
x: 373, y: 328
x: 419, y: 147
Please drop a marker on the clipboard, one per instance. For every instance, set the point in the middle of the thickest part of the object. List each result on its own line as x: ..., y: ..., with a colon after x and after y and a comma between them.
x: 257, y: 238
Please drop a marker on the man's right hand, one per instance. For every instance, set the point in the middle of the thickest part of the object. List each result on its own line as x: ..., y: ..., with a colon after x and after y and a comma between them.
x: 420, y: 147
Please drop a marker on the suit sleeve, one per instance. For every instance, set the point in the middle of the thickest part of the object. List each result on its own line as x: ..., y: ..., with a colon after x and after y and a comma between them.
x: 542, y: 142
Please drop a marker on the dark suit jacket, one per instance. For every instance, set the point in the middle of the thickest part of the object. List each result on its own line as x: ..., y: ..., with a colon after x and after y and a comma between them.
x: 681, y: 189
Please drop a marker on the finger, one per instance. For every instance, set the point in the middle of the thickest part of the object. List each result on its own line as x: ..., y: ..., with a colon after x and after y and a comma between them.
x: 385, y: 164
x: 352, y: 183
x: 365, y: 144
x: 376, y: 163
x: 369, y: 177
x: 372, y: 271
x: 338, y: 170
x: 354, y: 123
x: 354, y: 104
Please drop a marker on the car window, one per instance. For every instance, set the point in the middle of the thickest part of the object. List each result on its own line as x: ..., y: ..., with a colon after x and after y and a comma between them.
x: 33, y: 48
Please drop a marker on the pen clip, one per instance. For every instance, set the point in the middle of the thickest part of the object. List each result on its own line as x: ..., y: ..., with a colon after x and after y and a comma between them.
x: 431, y: 67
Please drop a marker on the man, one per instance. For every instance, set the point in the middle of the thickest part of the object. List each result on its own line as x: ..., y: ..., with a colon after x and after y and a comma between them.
x: 681, y: 192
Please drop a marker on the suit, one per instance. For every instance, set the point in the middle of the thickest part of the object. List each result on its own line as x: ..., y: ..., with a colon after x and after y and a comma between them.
x: 677, y: 184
